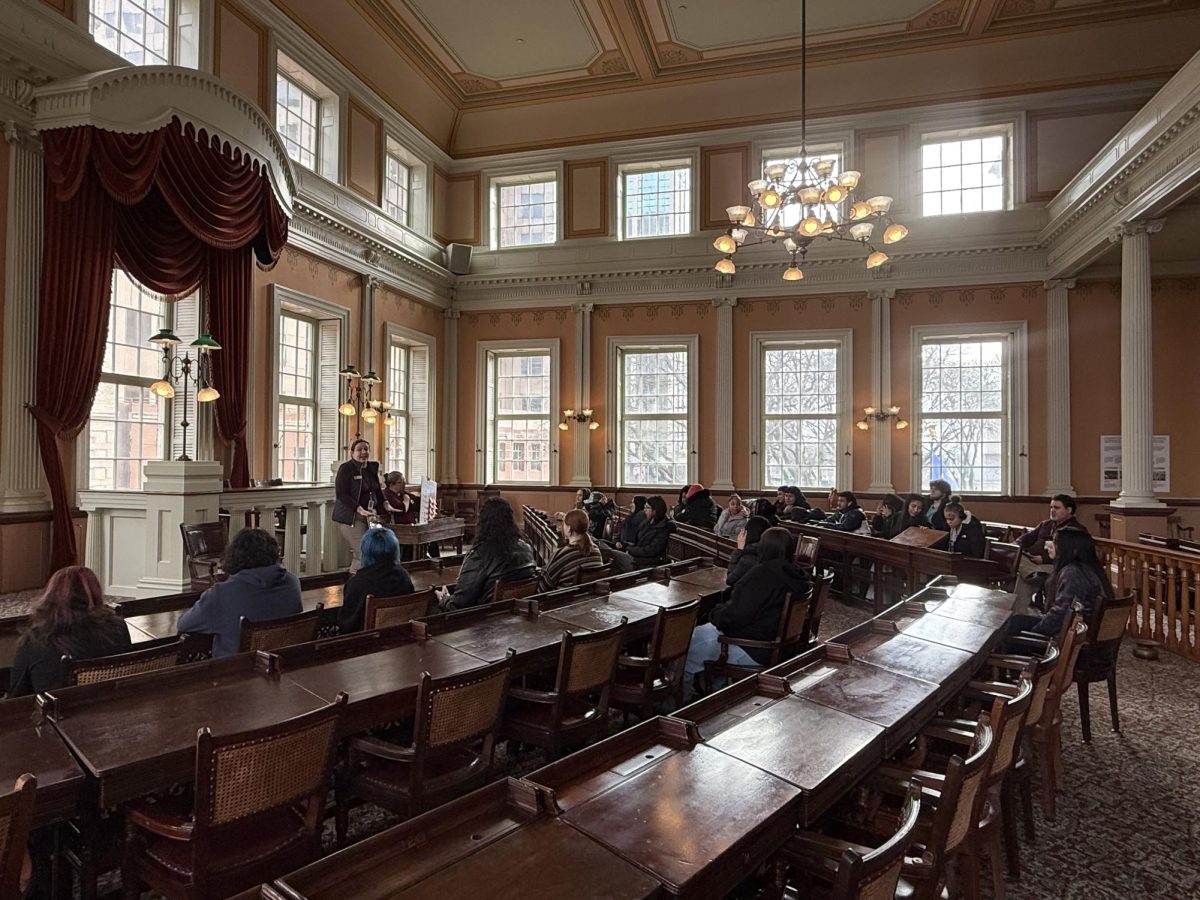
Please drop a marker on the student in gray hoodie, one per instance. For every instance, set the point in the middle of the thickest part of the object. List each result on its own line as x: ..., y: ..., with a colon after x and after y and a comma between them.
x: 258, y: 587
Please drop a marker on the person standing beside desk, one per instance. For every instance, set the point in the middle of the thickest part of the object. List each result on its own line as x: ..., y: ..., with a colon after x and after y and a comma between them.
x: 357, y: 495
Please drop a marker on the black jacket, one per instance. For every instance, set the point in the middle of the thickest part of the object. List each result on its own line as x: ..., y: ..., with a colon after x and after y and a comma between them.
x: 38, y: 667
x: 483, y: 567
x: 937, y: 517
x: 598, y: 515
x: 1073, y: 584
x: 651, y: 546
x: 632, y: 526
x: 347, y: 487
x: 383, y: 579
x: 907, y: 521
x: 740, y: 564
x: 887, y: 527
x: 754, y: 607
x: 849, y: 519
x: 699, y: 510
x: 970, y: 540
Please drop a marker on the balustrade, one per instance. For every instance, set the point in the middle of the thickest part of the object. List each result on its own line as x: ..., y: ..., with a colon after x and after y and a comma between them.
x: 1165, y: 583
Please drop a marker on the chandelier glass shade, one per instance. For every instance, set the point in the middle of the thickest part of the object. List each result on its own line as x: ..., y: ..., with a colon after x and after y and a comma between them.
x: 803, y: 200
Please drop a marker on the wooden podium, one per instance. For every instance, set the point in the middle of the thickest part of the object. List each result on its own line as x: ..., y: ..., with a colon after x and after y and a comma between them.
x: 444, y: 528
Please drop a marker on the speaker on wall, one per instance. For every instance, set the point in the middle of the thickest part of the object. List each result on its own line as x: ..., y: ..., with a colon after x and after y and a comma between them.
x: 458, y: 258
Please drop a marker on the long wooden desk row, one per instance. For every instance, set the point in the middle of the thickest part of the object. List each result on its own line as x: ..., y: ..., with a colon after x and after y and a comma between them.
x: 686, y: 805
x: 541, y: 533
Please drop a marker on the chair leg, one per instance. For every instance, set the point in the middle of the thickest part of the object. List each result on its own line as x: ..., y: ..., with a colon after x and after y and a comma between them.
x: 1112, y: 700
x: 1008, y: 821
x: 341, y: 814
x: 1085, y: 718
x: 996, y: 852
x: 1025, y: 785
x: 968, y: 870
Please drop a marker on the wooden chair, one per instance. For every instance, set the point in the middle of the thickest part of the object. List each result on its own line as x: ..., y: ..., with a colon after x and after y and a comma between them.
x: 830, y: 868
x: 270, y: 634
x: 468, y: 511
x: 807, y: 548
x: 1045, y: 734
x: 1097, y: 659
x: 576, y: 710
x: 204, y: 545
x: 106, y: 668
x: 788, y: 641
x: 514, y: 590
x: 450, y: 754
x: 643, y: 681
x: 16, y: 813
x: 256, y: 814
x: 384, y: 612
x: 816, y: 609
x: 594, y: 572
x: 1009, y: 557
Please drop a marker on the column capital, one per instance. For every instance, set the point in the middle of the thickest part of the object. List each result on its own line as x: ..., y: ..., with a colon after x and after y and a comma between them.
x: 451, y: 313
x: 1054, y: 284
x: 881, y: 294
x: 369, y: 282
x: 725, y: 302
x: 20, y: 136
x: 584, y: 308
x: 1135, y: 227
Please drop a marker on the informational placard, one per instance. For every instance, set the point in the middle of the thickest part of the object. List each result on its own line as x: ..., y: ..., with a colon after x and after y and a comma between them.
x: 428, y: 510
x: 1110, y: 462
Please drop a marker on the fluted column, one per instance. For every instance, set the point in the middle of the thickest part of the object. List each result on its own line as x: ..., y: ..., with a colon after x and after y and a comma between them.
x: 20, y: 466
x: 1137, y: 383
x: 447, y: 460
x: 366, y: 339
x: 881, y: 389
x: 723, y: 461
x: 1058, y: 388
x: 581, y: 476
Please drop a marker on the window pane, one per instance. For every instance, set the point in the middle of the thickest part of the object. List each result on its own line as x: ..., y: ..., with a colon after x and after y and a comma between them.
x: 800, y: 403
x: 519, y: 397
x: 296, y: 119
x: 789, y: 216
x: 523, y: 450
x: 655, y: 451
x: 134, y: 316
x: 296, y: 377
x: 397, y: 395
x: 964, y: 175
x: 125, y: 429
x: 397, y: 179
x: 657, y: 203
x: 653, y: 412
x: 297, y: 442
x: 136, y: 30
x: 527, y: 213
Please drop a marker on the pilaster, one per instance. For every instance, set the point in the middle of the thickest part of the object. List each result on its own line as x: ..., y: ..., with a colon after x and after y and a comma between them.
x: 581, y: 456
x: 447, y: 460
x: 881, y: 388
x: 1058, y: 388
x: 723, y: 435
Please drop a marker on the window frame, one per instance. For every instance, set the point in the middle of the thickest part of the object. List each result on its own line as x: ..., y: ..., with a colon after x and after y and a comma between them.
x: 329, y: 116
x: 398, y: 335
x: 485, y: 428
x: 1014, y: 473
x: 1006, y: 128
x: 773, y: 151
x: 843, y: 340
x: 657, y: 164
x: 617, y: 345
x: 539, y: 175
x: 183, y: 49
x: 405, y: 190
x: 312, y: 402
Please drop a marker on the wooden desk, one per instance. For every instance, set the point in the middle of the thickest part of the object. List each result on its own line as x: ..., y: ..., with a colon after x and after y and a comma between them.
x: 500, y: 842
x: 166, y: 623
x: 881, y: 644
x: 695, y: 818
x: 657, y: 593
x: 443, y: 528
x: 29, y: 743
x: 599, y: 613
x: 733, y: 704
x: 488, y: 632
x: 709, y: 580
x: 424, y: 579
x: 137, y: 735
x: 914, y: 620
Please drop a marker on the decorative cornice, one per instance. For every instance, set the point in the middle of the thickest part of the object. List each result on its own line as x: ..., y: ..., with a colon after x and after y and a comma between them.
x: 1119, y: 232
x: 1054, y: 284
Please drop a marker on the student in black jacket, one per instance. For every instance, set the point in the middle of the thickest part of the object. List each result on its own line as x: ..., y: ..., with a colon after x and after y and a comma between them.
x: 745, y: 557
x: 914, y: 512
x: 651, y: 546
x: 889, y: 518
x: 850, y: 516
x: 634, y: 522
x: 381, y: 575
x: 935, y: 510
x: 497, y: 554
x: 69, y: 619
x: 754, y: 607
x: 699, y: 508
x: 966, y: 532
x: 765, y: 509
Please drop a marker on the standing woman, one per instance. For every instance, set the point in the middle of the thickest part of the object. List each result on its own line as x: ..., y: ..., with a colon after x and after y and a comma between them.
x: 357, y: 495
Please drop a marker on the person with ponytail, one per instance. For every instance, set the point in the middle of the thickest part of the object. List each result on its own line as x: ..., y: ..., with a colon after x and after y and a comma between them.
x: 580, y: 550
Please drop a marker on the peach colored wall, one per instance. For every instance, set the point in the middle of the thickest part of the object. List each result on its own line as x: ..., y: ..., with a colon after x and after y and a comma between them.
x: 511, y: 325
x: 239, y: 52
x: 3, y: 243
x: 655, y: 319
x: 1062, y: 144
x: 1176, y: 403
x: 724, y: 172
x: 803, y: 313
x: 456, y: 202
x: 970, y: 305
x: 585, y: 200
x: 362, y: 145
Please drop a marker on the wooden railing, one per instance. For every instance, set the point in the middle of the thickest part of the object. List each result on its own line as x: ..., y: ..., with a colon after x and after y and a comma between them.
x: 1166, y: 584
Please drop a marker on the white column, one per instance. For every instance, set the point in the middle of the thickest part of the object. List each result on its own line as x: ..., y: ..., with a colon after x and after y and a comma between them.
x: 447, y: 460
x: 1058, y: 388
x: 723, y: 462
x: 291, y: 537
x: 583, y: 394
x: 366, y: 340
x: 314, y: 545
x: 1137, y: 383
x: 20, y: 465
x: 881, y: 389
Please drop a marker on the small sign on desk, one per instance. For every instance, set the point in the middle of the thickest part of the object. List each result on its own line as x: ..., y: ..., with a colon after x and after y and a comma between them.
x: 918, y: 536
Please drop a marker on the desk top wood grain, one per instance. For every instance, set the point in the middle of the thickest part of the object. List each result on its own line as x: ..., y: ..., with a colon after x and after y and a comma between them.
x: 598, y: 613
x: 491, y: 638
x: 657, y: 593
x: 425, y: 579
x: 709, y: 579
x: 29, y: 743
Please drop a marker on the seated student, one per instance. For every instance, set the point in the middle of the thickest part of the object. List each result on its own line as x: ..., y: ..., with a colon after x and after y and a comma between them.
x: 914, y: 513
x: 1077, y: 578
x: 599, y: 510
x: 70, y: 618
x: 889, y: 518
x: 753, y: 608
x: 796, y: 508
x: 781, y: 500
x: 404, y: 507
x: 651, y: 546
x: 850, y: 516
x: 1035, y: 556
x: 681, y: 504
x: 766, y: 509
x: 966, y: 532
x: 733, y: 519
x: 381, y: 575
x: 939, y: 496
x: 257, y: 588
x: 634, y: 522
x: 699, y: 508
x: 498, y: 554
x: 745, y: 557
x: 580, y: 550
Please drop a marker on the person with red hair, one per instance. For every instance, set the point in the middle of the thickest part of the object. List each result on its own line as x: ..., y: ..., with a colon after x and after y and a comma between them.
x: 69, y: 619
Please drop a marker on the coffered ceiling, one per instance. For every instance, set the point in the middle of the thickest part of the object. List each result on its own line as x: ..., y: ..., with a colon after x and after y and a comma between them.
x: 486, y: 54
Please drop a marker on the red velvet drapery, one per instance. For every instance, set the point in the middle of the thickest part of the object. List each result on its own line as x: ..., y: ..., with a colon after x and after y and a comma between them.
x: 177, y: 213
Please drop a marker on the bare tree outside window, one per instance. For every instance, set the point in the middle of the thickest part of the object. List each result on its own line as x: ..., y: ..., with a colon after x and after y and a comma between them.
x: 800, y: 408
x: 653, y: 436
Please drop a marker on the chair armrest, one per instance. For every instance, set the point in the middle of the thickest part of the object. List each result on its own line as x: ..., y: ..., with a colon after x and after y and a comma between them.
x: 1010, y: 662
x: 814, y: 844
x: 378, y: 747
x: 639, y: 662
x: 988, y: 690
x: 745, y: 642
x: 953, y: 731
x: 1031, y: 639
x: 161, y: 820
x: 896, y: 779
x: 516, y: 692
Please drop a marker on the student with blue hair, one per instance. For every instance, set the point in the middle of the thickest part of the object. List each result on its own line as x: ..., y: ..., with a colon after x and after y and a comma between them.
x: 381, y: 575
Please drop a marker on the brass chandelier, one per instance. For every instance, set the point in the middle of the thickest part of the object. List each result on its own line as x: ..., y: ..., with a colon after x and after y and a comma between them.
x: 801, y: 200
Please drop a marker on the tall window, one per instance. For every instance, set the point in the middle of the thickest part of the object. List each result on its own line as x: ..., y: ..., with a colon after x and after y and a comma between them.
x: 653, y: 404
x: 520, y: 415
x: 397, y: 395
x: 407, y: 441
x: 397, y: 182
x: 127, y: 424
x: 964, y: 412
x: 800, y: 415
x: 964, y: 173
x: 656, y: 200
x: 297, y: 398
x: 525, y: 211
x: 790, y: 216
x: 297, y: 119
